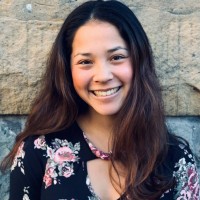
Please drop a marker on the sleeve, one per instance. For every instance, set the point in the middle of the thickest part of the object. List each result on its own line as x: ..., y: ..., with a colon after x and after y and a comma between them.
x: 186, y: 176
x: 26, y: 173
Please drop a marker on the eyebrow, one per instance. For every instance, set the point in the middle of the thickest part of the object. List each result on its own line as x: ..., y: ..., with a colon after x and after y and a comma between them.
x: 116, y: 48
x: 109, y: 51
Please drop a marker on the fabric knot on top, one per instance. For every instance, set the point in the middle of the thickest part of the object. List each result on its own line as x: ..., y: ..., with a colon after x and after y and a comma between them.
x: 98, y: 153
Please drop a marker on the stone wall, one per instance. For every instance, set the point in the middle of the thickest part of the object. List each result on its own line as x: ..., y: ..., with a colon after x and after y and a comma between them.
x: 28, y: 29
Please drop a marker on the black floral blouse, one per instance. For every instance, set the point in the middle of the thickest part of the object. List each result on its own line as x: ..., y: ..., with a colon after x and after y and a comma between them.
x: 53, y: 167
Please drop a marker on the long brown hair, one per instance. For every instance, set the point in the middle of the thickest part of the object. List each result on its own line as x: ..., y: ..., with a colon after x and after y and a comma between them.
x: 140, y: 136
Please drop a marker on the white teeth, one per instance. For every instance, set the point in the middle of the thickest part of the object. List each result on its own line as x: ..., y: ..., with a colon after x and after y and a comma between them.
x: 106, y: 93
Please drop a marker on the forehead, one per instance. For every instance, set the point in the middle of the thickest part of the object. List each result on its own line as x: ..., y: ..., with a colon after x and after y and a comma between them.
x: 97, y: 33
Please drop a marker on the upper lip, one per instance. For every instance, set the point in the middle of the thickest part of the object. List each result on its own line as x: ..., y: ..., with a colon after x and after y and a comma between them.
x: 104, y: 89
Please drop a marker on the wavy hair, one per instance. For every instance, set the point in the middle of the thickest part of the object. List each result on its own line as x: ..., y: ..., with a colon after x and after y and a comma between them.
x: 140, y: 136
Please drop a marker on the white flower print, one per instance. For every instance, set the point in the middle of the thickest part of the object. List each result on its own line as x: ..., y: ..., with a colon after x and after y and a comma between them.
x: 26, y: 192
x: 50, y: 152
x: 94, y: 196
x: 18, y: 160
x: 26, y: 197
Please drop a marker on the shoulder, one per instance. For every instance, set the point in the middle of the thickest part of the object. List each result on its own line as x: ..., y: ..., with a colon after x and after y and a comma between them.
x: 35, y: 145
x: 180, y: 155
x: 179, y: 149
x: 182, y: 162
x: 37, y: 149
x: 72, y: 133
x: 69, y: 141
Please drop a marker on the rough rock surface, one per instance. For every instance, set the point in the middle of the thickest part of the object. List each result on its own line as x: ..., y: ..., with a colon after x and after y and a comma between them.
x: 187, y: 127
x: 9, y: 127
x: 29, y: 29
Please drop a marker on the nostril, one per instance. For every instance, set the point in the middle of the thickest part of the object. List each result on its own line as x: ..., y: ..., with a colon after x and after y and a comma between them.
x: 103, y: 77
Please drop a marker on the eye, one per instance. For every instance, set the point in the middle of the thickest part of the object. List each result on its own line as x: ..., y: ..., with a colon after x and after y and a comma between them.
x: 117, y: 57
x: 85, y: 62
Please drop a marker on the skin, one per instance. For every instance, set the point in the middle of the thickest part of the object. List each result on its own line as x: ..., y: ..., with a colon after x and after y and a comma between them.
x: 102, y: 74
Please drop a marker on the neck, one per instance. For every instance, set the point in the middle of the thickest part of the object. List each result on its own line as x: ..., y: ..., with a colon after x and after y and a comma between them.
x: 100, y: 122
x: 98, y: 128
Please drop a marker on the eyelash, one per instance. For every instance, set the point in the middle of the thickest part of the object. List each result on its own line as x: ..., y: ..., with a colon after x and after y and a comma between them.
x: 119, y: 57
x: 114, y: 58
x: 84, y: 62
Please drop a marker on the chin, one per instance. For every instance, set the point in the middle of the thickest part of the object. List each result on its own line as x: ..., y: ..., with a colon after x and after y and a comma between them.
x: 107, y: 112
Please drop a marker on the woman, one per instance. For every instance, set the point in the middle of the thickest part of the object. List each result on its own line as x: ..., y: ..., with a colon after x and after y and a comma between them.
x: 96, y: 130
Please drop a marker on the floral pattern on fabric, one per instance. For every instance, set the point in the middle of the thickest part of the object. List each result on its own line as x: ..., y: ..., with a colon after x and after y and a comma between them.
x: 26, y: 192
x: 56, y: 163
x: 187, y: 179
x: 165, y: 193
x: 18, y: 160
x: 60, y: 159
x: 94, y: 196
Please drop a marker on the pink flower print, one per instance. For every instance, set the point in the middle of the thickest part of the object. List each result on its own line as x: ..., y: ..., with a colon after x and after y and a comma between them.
x: 185, y: 195
x: 50, y: 171
x: 59, y: 155
x: 40, y: 142
x: 47, y: 180
x: 64, y: 154
x: 193, y: 181
x: 98, y: 153
x: 67, y: 171
x: 50, y: 174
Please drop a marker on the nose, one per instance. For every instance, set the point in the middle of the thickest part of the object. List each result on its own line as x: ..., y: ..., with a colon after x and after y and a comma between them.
x: 102, y: 73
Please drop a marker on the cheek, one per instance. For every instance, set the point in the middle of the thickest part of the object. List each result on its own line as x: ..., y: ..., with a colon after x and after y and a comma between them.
x: 76, y: 78
x: 126, y: 73
x: 80, y: 79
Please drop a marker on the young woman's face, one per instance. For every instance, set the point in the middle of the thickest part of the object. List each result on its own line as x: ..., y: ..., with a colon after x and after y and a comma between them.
x: 101, y: 67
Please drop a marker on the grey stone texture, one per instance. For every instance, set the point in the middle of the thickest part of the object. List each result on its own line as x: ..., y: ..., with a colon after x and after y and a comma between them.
x: 10, y: 126
x: 189, y: 129
x: 28, y: 29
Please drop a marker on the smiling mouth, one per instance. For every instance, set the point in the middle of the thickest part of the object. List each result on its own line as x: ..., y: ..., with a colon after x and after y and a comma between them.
x: 101, y: 93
